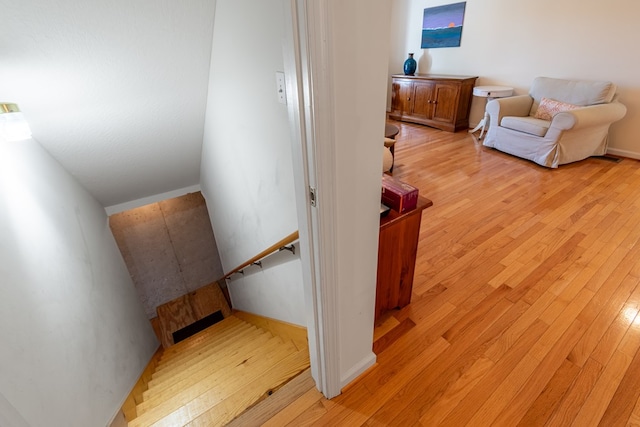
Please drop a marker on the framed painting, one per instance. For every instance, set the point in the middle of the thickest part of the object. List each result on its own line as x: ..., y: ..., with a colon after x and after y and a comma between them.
x: 442, y: 25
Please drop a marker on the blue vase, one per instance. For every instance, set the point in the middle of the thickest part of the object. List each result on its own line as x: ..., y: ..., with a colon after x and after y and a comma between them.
x: 410, y: 65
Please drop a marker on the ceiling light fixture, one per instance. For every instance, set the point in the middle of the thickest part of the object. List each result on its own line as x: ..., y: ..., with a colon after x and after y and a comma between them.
x: 13, y: 125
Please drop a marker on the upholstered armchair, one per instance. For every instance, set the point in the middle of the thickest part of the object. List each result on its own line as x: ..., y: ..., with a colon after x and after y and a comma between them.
x: 558, y: 122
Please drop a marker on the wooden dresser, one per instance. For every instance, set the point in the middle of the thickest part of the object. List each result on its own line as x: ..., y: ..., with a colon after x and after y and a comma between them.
x: 397, y: 250
x: 437, y: 100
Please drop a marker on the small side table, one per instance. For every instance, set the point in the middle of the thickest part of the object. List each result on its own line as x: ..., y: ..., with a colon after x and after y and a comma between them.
x: 489, y: 92
x: 390, y: 131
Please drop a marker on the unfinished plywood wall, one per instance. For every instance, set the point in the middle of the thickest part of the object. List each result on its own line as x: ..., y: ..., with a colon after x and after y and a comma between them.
x: 168, y: 247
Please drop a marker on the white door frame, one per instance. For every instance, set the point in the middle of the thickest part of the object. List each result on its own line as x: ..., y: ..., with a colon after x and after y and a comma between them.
x: 309, y: 101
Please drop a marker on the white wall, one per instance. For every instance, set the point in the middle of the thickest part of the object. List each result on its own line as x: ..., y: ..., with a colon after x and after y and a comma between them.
x: 511, y: 42
x: 273, y: 290
x: 74, y: 336
x: 246, y: 171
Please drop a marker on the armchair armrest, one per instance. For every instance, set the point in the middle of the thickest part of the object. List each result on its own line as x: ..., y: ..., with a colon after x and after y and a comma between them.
x: 519, y: 105
x: 513, y: 106
x: 592, y: 115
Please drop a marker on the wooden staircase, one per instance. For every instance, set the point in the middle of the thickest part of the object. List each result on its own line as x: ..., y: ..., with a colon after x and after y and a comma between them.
x: 213, y: 376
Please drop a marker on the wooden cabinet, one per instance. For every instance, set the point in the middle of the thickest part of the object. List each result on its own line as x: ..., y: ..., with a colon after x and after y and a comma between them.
x: 397, y: 249
x: 440, y: 101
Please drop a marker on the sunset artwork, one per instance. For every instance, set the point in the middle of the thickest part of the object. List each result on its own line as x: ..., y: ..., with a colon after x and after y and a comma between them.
x: 442, y: 26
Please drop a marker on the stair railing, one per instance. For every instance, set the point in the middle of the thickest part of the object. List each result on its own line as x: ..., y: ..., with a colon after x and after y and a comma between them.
x: 284, y: 244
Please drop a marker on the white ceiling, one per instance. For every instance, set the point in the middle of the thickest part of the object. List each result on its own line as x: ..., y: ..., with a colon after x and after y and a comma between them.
x: 114, y: 89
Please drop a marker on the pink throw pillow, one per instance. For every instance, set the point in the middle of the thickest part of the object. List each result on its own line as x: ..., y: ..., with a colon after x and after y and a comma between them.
x: 550, y: 107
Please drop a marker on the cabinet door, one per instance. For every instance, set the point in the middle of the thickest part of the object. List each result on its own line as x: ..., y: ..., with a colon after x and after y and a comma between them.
x: 422, y: 100
x: 445, y: 98
x: 401, y: 92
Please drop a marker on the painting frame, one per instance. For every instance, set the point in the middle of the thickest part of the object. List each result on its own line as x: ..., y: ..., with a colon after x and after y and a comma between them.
x: 442, y: 25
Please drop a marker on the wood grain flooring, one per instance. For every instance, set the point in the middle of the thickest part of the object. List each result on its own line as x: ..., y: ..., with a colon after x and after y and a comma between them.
x: 215, y: 375
x: 525, y: 301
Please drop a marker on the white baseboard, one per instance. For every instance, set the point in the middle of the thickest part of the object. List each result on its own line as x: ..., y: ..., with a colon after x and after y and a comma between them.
x: 357, y: 370
x: 623, y: 153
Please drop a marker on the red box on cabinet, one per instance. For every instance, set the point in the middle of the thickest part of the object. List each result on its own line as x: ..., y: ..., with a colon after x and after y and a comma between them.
x: 398, y: 195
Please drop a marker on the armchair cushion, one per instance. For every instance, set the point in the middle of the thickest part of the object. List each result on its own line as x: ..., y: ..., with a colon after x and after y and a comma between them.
x: 530, y: 125
x: 571, y: 91
x: 550, y: 107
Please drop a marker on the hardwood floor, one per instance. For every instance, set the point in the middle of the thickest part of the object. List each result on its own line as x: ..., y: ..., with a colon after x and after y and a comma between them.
x: 526, y: 297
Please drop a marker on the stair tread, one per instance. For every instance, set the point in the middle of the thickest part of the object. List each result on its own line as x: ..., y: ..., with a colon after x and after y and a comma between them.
x: 197, y: 358
x: 279, y: 403
x: 202, y: 412
x: 205, y: 394
x: 208, y: 347
x: 193, y: 374
x: 221, y: 324
x: 296, y: 333
x: 201, y: 337
x: 198, y: 383
x: 196, y: 338
x: 223, y: 382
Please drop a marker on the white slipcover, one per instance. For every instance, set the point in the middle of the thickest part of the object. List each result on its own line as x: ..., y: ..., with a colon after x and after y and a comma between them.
x: 570, y: 135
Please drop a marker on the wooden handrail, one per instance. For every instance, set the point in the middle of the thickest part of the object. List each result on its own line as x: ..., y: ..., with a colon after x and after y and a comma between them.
x: 276, y: 246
